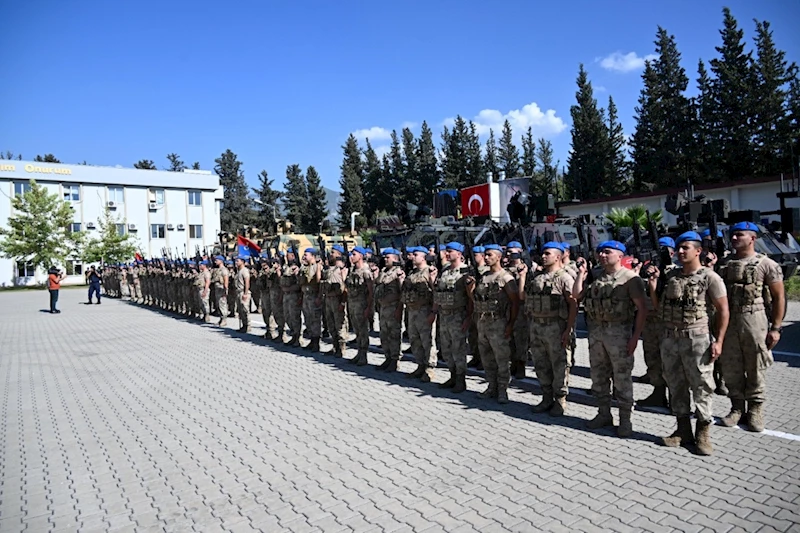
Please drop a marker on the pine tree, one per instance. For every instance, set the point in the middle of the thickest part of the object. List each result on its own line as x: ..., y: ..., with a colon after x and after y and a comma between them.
x: 410, y: 190
x: 705, y: 148
x: 793, y: 105
x: 295, y: 197
x: 352, y: 199
x: 490, y: 158
x: 528, y: 153
x: 236, y: 210
x: 429, y: 175
x: 47, y: 158
x: 175, y: 163
x: 508, y: 155
x: 268, y: 209
x: 734, y: 106
x: 475, y: 169
x: 587, y: 160
x: 771, y: 128
x: 545, y: 170
x: 395, y: 183
x: 145, y: 164
x: 317, y: 204
x: 10, y: 155
x: 377, y: 195
x: 455, y: 161
x: 196, y: 165
x: 616, y: 179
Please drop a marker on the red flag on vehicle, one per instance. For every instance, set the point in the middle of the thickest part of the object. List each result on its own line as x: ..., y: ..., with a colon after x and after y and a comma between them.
x: 247, y: 247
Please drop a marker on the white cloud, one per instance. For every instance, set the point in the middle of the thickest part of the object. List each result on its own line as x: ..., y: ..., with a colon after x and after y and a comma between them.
x: 408, y: 124
x: 600, y: 89
x: 381, y: 150
x: 620, y: 62
x: 375, y: 133
x: 542, y: 123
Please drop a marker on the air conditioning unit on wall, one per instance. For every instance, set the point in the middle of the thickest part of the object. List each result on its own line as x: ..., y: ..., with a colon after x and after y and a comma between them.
x: 90, y: 225
x: 111, y: 205
x: 131, y: 227
x: 170, y: 227
x: 153, y: 206
x: 181, y: 227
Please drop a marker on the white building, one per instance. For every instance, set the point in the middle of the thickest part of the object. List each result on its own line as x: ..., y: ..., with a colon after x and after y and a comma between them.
x: 174, y: 210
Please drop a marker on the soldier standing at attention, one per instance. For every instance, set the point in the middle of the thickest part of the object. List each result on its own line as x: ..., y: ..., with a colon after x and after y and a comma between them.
x: 359, y: 301
x: 479, y: 270
x: 614, y: 299
x: 276, y: 298
x: 124, y: 288
x: 453, y: 306
x: 136, y: 283
x: 204, y: 291
x: 688, y: 350
x: 292, y: 297
x: 310, y: 278
x: 519, y: 345
x: 220, y: 278
x: 567, y: 262
x: 551, y: 312
x: 496, y: 303
x: 255, y: 287
x: 418, y: 299
x: 333, y: 292
x: 243, y: 294
x: 264, y: 283
x: 751, y: 279
x: 232, y: 309
x: 390, y: 308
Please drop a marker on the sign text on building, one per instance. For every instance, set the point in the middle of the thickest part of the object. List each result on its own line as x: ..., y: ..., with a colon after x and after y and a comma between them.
x: 47, y: 170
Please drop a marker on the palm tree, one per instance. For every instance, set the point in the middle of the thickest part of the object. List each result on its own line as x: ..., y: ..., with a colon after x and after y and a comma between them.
x: 623, y: 218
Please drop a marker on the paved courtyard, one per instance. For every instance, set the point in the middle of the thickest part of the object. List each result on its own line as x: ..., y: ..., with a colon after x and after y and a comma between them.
x: 120, y: 418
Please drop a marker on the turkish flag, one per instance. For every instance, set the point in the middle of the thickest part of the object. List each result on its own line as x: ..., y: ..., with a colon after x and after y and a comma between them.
x: 475, y: 201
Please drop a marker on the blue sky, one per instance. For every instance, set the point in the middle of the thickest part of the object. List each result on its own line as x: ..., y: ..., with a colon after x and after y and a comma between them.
x: 286, y: 82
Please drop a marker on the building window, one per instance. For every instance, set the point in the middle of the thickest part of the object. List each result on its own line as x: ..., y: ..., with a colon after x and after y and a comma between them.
x: 156, y: 231
x: 21, y: 188
x: 72, y: 193
x: 25, y: 270
x: 158, y: 196
x: 195, y: 198
x: 195, y: 231
x: 120, y: 229
x: 75, y: 227
x: 74, y: 267
x: 116, y: 195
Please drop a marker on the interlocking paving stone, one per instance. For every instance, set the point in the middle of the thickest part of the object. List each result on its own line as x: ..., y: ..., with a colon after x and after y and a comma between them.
x: 122, y: 418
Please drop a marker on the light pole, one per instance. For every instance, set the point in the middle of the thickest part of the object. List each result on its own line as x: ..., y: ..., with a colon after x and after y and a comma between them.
x: 353, y: 216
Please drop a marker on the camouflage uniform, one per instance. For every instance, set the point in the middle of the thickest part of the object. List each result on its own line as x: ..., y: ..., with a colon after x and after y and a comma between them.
x: 312, y: 311
x: 124, y: 290
x: 242, y: 278
x: 418, y: 299
x: 357, y: 304
x: 220, y: 295
x: 276, y: 299
x: 264, y: 283
x: 255, y: 288
x: 474, y: 347
x: 452, y: 301
x: 203, y: 295
x: 520, y: 340
x: 491, y: 312
x: 232, y: 309
x: 136, y: 285
x: 333, y: 289
x: 292, y: 301
x: 387, y: 299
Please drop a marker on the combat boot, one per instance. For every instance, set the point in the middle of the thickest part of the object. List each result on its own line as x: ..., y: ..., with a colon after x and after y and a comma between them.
x: 428, y: 375
x: 602, y: 419
x: 520, y: 372
x: 361, y: 358
x: 513, y: 369
x: 450, y: 383
x: 295, y: 341
x: 625, y: 428
x: 737, y: 410
x: 392, y: 366
x: 702, y: 438
x: 559, y: 408
x: 223, y: 323
x: 474, y: 362
x: 342, y: 349
x: 657, y: 399
x: 461, y: 383
x: 547, y: 401
x: 502, y: 394
x: 385, y: 364
x: 490, y: 392
x: 681, y: 436
x: 755, y: 417
x: 314, y: 346
x: 420, y: 370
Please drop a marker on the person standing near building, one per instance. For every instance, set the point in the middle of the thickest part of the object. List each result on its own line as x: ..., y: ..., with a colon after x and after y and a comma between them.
x: 690, y: 344
x: 752, y: 280
x: 333, y: 294
x: 360, y: 294
x: 615, y: 299
x: 54, y: 279
x: 94, y: 280
x: 204, y: 291
x: 221, y: 278
x: 243, y: 294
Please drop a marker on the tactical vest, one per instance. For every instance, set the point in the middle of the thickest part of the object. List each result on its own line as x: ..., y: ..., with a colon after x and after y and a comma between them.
x: 308, y: 278
x: 490, y: 295
x: 540, y: 299
x: 332, y: 281
x: 684, y: 299
x: 745, y: 293
x: 218, y: 277
x: 357, y: 283
x: 447, y: 295
x: 603, y: 305
x: 198, y: 280
x: 287, y: 278
x: 416, y: 289
x: 387, y: 284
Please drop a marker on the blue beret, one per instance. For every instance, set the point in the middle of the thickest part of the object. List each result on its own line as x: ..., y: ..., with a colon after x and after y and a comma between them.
x: 359, y: 249
x: 478, y: 249
x: 243, y: 257
x: 745, y: 226
x: 614, y: 245
x: 514, y: 244
x: 494, y: 247
x: 457, y: 246
x: 707, y: 233
x: 312, y: 251
x: 204, y: 262
x: 442, y: 247
x: 338, y: 248
x: 219, y: 258
x: 689, y: 236
x: 553, y: 245
x: 565, y: 245
x: 417, y: 249
x: 192, y: 263
x: 391, y: 251
x: 669, y: 242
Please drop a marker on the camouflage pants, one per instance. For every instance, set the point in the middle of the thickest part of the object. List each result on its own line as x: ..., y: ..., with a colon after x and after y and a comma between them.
x: 473, y: 340
x: 355, y: 313
x: 137, y: 290
x: 550, y: 357
x: 453, y: 341
x: 495, y: 349
x: 221, y: 300
x: 266, y: 311
x: 205, y: 308
x: 390, y: 331
x: 232, y: 298
x: 651, y: 344
x: 521, y: 341
x: 124, y: 289
x: 312, y: 315
x: 689, y: 372
x: 242, y: 308
x: 276, y: 304
x: 745, y: 358
x: 291, y: 311
x: 334, y: 313
x: 255, y: 293
x: 608, y: 358
x: 420, y: 334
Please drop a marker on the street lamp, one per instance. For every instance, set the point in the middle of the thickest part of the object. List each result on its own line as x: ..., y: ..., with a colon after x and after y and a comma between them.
x: 353, y: 216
